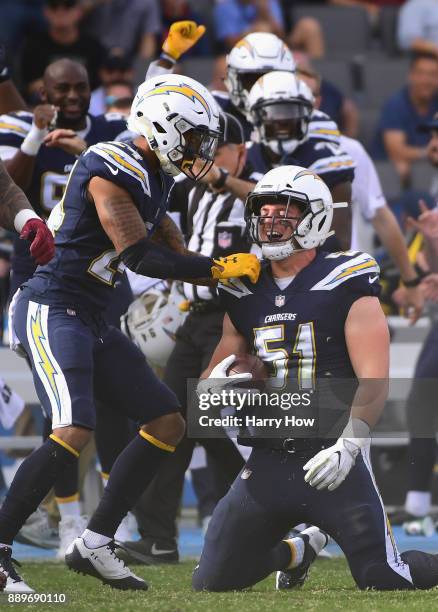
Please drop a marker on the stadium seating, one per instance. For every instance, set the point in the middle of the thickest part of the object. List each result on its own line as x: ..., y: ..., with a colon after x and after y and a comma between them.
x: 346, y: 29
x: 422, y: 175
x: 389, y: 178
x: 382, y: 77
x: 198, y: 68
x: 388, y: 29
x: 369, y: 118
x: 338, y: 72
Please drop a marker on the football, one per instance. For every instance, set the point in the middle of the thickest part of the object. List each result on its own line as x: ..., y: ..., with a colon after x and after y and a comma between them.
x: 249, y: 363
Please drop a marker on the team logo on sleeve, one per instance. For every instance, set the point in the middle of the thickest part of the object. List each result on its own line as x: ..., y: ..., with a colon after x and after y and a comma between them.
x: 356, y: 266
x: 234, y: 286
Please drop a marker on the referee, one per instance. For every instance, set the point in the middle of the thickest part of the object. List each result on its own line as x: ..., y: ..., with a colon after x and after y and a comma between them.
x: 212, y: 219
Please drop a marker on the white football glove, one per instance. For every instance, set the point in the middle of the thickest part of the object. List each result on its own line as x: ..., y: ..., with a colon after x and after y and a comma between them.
x: 218, y: 378
x: 331, y: 466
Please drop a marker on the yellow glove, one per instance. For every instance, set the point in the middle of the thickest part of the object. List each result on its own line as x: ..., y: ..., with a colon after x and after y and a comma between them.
x: 184, y: 306
x: 182, y: 36
x: 240, y: 264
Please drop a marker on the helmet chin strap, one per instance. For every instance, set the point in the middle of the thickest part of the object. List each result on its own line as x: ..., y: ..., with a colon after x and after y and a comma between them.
x: 166, y: 164
x: 279, y: 250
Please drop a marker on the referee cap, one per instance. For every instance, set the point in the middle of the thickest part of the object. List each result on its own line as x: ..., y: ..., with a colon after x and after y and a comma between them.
x: 231, y: 130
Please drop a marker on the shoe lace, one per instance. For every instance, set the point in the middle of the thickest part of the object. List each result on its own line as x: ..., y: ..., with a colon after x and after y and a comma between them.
x: 7, y: 563
x: 112, y: 546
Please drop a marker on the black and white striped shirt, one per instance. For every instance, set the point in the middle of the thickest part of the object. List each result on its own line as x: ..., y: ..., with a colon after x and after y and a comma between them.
x: 212, y: 222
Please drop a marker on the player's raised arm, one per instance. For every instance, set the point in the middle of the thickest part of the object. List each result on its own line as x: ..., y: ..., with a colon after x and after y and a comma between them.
x: 183, y: 35
x: 16, y: 213
x: 124, y: 226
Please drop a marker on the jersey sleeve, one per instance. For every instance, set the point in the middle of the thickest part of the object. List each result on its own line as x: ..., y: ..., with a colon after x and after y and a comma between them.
x: 14, y: 128
x: 322, y: 127
x: 230, y: 292
x: 325, y: 158
x: 355, y: 276
x: 117, y: 163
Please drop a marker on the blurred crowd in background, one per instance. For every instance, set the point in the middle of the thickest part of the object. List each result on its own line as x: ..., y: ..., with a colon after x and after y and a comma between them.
x: 378, y: 62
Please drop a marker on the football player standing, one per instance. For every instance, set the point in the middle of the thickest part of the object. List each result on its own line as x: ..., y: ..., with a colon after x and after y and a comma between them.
x: 115, y: 200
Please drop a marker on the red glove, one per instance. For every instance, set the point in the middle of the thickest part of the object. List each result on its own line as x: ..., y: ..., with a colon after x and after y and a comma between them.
x: 42, y: 245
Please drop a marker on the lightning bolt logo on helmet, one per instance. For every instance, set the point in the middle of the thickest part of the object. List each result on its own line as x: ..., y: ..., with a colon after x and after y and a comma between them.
x: 180, y: 120
x: 183, y: 90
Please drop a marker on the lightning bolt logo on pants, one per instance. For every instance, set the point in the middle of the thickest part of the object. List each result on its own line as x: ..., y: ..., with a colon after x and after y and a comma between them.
x: 44, y: 359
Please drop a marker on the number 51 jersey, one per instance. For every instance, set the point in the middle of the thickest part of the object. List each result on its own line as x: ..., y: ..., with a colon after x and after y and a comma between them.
x: 86, y: 265
x: 299, y: 331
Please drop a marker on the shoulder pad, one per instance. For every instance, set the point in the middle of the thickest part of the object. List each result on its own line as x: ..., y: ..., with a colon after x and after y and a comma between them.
x: 222, y: 95
x: 114, y: 117
x: 327, y: 156
x: 119, y: 157
x: 323, y: 127
x: 17, y: 124
x: 235, y: 286
x: 345, y: 267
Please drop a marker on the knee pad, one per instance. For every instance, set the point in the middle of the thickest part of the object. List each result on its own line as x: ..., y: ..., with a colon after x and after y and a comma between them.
x: 381, y: 577
x: 423, y: 567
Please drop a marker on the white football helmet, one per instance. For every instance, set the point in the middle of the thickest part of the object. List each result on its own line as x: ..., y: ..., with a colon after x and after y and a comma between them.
x: 280, y: 106
x: 254, y: 55
x: 180, y: 120
x: 279, y: 234
x: 152, y: 321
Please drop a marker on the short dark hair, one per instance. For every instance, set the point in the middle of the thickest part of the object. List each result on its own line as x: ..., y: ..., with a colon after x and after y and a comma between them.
x: 420, y: 55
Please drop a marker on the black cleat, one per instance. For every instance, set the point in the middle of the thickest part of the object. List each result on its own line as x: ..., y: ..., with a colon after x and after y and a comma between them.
x: 296, y: 577
x: 102, y: 563
x: 10, y: 580
x: 148, y: 551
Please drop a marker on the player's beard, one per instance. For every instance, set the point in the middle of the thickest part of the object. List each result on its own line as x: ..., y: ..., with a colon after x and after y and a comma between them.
x: 75, y: 122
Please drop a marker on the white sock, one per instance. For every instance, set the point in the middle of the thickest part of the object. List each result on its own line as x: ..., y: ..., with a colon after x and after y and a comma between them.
x: 66, y: 509
x: 297, y: 551
x: 94, y: 540
x: 418, y: 503
x: 317, y: 538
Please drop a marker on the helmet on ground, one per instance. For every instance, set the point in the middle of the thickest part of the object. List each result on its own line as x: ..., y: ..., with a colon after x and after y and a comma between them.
x: 152, y: 321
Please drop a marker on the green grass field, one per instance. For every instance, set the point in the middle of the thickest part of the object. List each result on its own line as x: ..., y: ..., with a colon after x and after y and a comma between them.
x: 330, y: 587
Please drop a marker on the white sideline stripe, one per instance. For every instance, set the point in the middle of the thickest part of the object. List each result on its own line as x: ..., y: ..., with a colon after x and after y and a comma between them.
x: 392, y: 554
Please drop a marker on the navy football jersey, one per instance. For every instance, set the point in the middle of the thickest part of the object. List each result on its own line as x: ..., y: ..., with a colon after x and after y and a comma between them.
x: 52, y: 165
x: 321, y: 152
x: 299, y: 331
x: 86, y: 266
